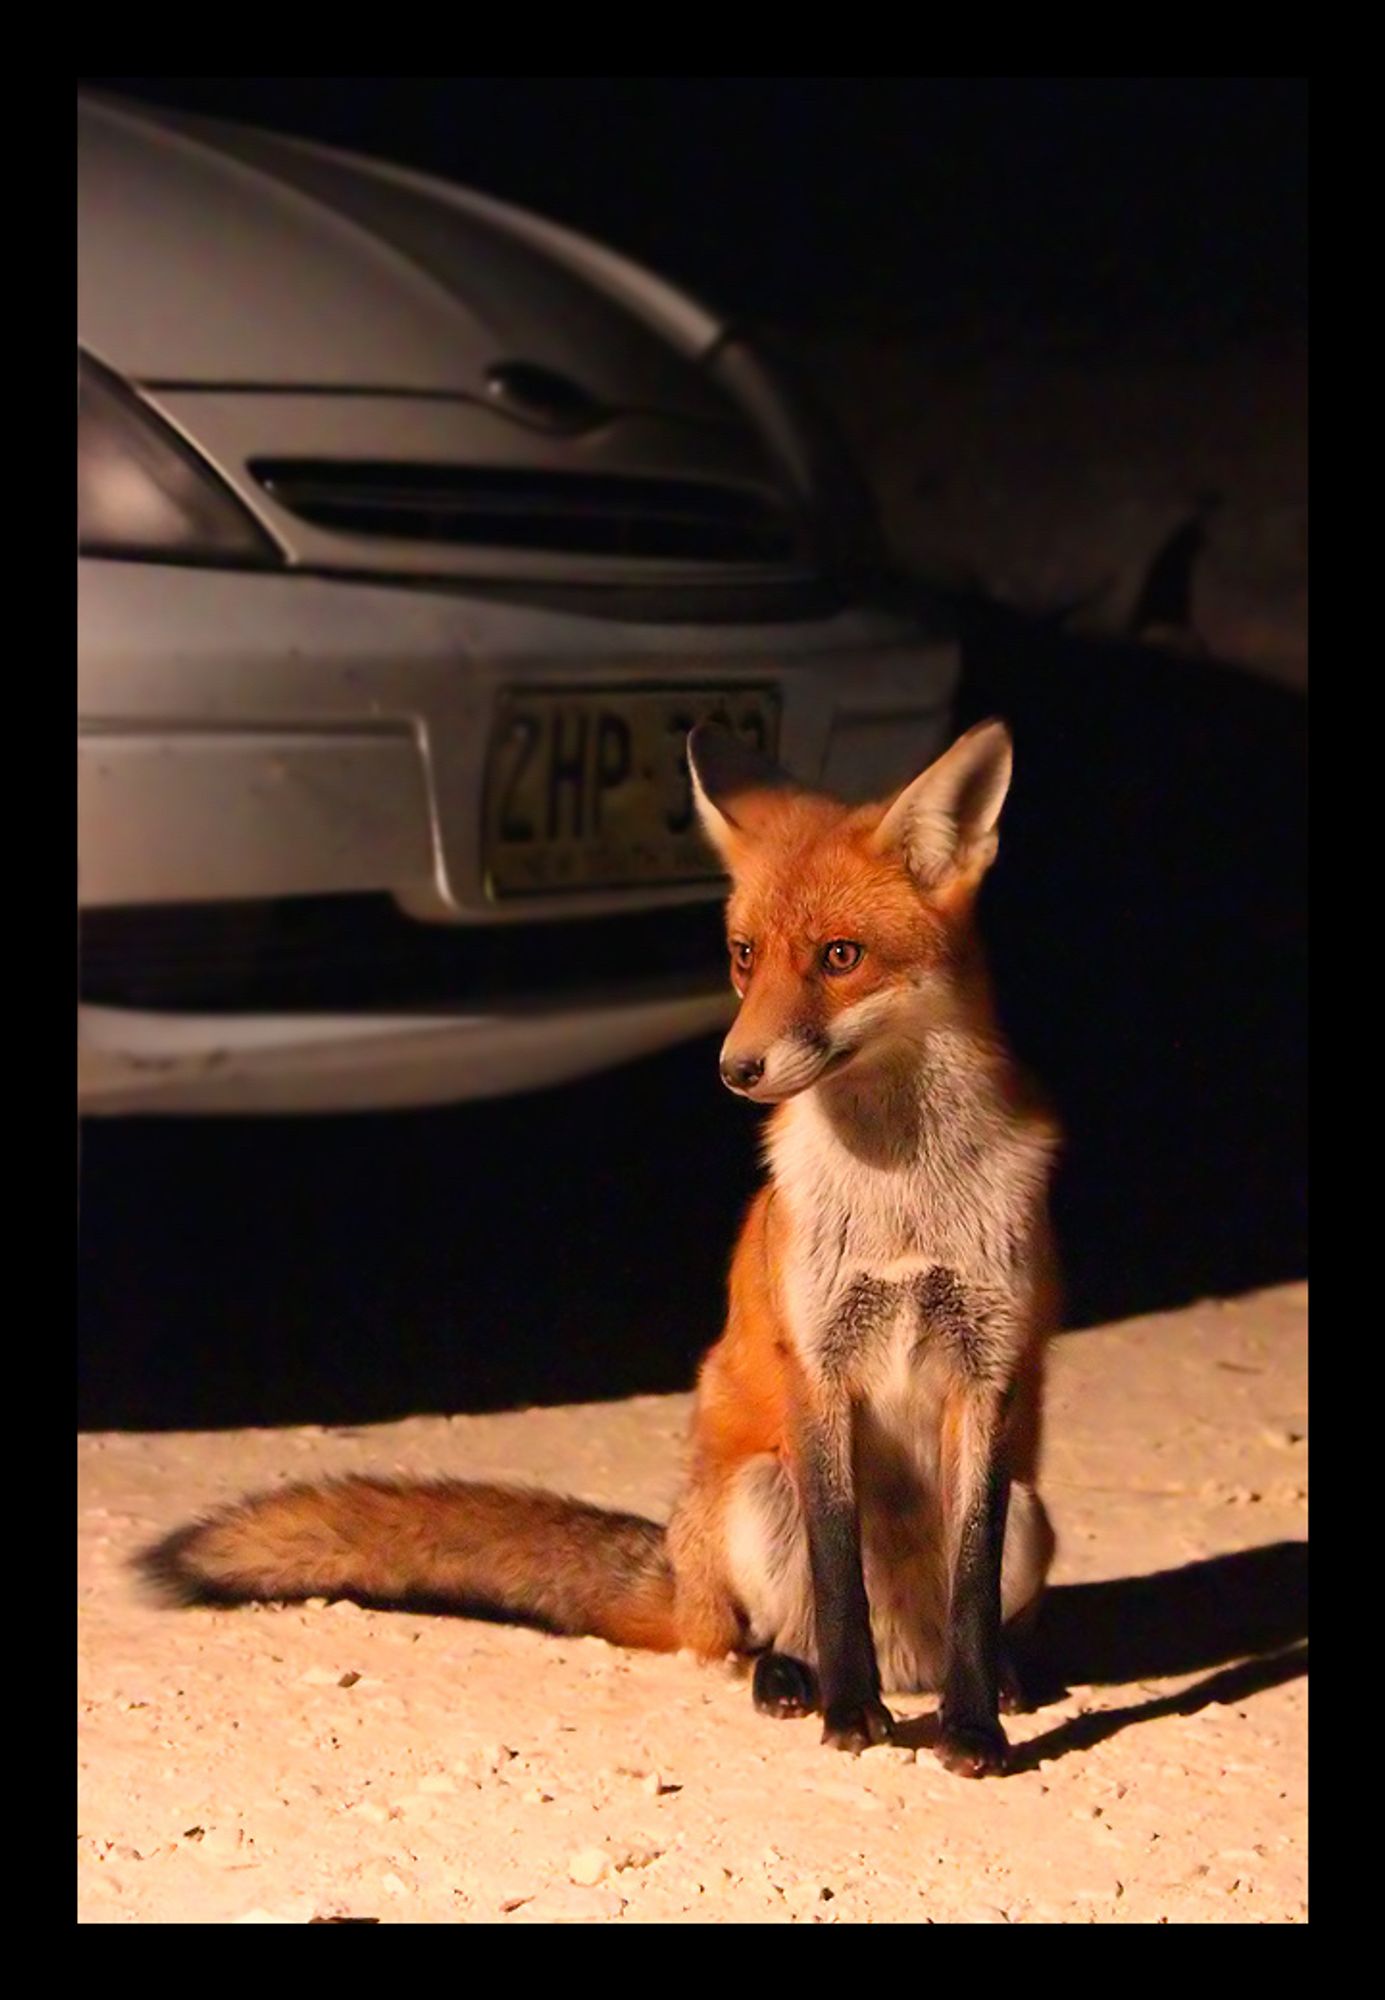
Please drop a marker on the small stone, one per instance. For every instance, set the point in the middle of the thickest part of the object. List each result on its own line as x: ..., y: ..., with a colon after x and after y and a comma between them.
x: 564, y: 1905
x: 633, y: 1858
x: 589, y: 1866
x: 857, y: 1795
x: 492, y: 1757
x: 535, y: 1796
x: 804, y: 1895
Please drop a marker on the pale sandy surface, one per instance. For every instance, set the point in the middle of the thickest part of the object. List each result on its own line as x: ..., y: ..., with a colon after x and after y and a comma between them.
x: 276, y: 1765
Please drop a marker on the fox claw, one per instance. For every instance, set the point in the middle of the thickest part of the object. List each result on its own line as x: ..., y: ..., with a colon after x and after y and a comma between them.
x: 971, y: 1752
x: 784, y: 1687
x: 855, y: 1729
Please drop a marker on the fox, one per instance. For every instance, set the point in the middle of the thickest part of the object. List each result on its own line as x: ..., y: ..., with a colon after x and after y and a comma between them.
x: 859, y: 1513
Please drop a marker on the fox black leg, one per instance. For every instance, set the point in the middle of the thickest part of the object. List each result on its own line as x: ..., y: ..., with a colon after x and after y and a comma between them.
x: 1015, y: 1695
x: 784, y: 1687
x: 1026, y: 1680
x: 853, y: 1714
x: 971, y: 1741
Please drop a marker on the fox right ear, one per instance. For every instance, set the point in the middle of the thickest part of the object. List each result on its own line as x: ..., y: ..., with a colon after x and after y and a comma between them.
x: 730, y: 781
x: 944, y: 824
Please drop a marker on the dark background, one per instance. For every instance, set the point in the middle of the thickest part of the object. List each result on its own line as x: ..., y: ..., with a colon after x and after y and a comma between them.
x: 1147, y: 919
x: 882, y: 200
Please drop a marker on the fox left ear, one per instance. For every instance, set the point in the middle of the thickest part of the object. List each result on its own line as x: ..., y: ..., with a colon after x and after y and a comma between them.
x: 944, y: 823
x: 732, y: 785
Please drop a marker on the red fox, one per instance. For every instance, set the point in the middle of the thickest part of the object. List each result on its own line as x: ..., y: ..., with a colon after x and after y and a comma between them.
x: 860, y: 1512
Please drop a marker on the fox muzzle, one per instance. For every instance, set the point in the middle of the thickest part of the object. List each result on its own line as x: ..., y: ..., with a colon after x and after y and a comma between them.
x: 742, y: 1073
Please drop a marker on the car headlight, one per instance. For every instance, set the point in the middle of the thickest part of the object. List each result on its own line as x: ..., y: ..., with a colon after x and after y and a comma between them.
x: 142, y: 492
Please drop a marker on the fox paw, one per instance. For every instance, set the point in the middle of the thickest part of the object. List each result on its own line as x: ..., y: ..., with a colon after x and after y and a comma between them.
x: 783, y: 1686
x: 972, y: 1751
x: 1015, y: 1698
x: 854, y: 1729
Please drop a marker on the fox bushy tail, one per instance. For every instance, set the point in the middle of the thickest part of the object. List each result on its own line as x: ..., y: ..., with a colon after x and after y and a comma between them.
x: 486, y: 1551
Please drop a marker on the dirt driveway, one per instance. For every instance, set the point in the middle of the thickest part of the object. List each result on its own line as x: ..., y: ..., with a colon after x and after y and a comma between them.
x: 323, y: 1762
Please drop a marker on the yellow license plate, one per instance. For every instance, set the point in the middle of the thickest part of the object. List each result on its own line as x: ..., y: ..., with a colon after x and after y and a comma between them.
x: 589, y: 789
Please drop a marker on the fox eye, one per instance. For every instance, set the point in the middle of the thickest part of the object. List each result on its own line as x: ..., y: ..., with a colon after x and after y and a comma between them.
x: 742, y: 953
x: 842, y: 955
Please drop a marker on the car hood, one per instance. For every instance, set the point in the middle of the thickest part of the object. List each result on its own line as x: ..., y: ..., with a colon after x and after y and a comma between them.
x: 216, y: 256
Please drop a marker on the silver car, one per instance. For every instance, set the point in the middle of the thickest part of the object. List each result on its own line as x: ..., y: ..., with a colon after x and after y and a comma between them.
x: 415, y: 533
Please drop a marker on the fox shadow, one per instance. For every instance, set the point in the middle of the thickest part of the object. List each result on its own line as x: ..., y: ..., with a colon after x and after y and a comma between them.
x: 1241, y: 1620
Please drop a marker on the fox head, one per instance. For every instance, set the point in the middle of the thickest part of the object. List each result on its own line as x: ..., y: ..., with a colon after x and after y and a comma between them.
x: 849, y: 927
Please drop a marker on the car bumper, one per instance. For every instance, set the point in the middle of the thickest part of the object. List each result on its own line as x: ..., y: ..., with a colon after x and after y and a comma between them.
x: 135, y: 1062
x: 249, y: 737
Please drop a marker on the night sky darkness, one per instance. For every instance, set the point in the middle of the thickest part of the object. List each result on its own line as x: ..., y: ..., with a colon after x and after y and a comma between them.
x: 1147, y: 925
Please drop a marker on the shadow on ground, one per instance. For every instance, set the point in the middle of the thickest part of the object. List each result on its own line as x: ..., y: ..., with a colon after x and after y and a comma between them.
x: 1148, y: 933
x: 1241, y: 1621
x: 1176, y: 1621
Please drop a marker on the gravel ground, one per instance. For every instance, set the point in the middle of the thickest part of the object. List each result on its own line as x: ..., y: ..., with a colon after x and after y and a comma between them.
x: 324, y: 1763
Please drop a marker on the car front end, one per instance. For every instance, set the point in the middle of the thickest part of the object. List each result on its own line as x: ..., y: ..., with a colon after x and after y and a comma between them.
x: 415, y: 535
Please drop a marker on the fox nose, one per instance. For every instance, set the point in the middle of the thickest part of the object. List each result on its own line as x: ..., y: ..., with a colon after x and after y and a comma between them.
x: 742, y: 1072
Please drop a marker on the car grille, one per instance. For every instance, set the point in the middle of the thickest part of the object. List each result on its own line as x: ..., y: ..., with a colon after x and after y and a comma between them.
x: 507, y: 507
x: 345, y: 954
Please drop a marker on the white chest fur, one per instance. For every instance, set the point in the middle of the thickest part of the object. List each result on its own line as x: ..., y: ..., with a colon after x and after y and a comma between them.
x: 927, y: 1172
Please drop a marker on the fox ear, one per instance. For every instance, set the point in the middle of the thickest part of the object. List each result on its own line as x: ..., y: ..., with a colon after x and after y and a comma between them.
x: 944, y: 824
x: 730, y: 781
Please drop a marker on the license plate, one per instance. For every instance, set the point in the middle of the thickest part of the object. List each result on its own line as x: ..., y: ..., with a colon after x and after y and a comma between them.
x: 589, y: 789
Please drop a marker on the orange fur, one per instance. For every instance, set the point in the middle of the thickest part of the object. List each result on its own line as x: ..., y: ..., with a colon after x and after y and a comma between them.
x: 806, y: 871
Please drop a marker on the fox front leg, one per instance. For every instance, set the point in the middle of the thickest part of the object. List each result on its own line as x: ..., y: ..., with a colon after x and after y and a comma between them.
x: 971, y: 1742
x: 853, y: 1715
